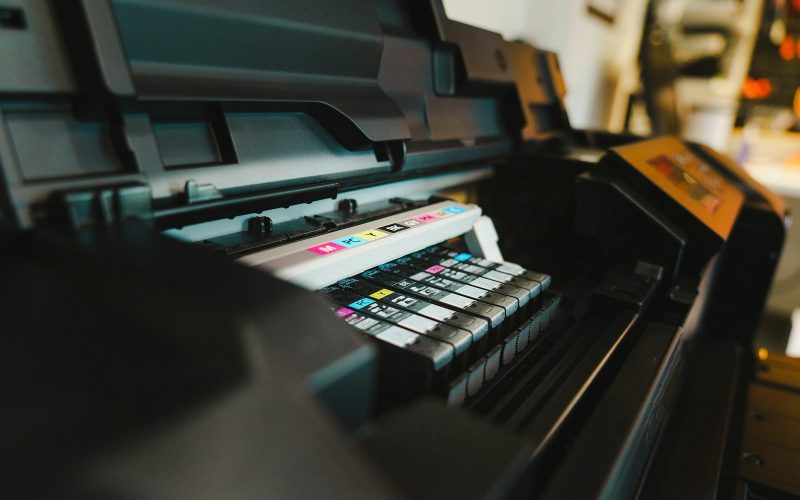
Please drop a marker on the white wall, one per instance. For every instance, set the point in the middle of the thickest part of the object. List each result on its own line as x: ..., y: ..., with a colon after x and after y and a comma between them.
x: 598, y: 59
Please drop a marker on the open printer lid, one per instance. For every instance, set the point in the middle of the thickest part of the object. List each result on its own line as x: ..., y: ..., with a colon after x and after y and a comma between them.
x: 180, y: 112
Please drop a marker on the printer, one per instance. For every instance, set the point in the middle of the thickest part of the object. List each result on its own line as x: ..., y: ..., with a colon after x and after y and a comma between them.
x: 354, y: 249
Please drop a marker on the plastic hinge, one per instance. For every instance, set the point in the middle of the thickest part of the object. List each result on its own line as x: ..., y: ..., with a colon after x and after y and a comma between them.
x: 392, y: 151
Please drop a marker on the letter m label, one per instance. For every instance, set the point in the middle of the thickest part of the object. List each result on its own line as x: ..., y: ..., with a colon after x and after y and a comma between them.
x: 325, y: 248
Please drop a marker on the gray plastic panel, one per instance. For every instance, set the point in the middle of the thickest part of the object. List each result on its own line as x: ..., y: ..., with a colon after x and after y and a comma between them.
x: 324, y: 55
x: 51, y: 144
x: 274, y: 148
x: 186, y: 143
x: 444, y: 130
x: 434, y: 118
x: 33, y: 56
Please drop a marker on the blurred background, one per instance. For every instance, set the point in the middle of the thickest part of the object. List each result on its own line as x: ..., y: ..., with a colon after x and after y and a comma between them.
x: 721, y: 72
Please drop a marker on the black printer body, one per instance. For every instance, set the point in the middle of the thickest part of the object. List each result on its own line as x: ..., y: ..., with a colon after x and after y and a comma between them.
x: 354, y: 249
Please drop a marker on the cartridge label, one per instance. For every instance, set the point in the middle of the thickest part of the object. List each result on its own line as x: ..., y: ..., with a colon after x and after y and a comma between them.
x: 381, y: 294
x: 394, y: 228
x: 326, y: 248
x: 372, y: 234
x: 426, y: 218
x: 344, y: 312
x: 411, y: 223
x: 354, y: 240
x: 350, y: 241
x: 360, y: 304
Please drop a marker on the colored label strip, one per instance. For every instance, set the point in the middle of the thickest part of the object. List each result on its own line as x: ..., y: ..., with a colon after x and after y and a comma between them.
x: 363, y: 237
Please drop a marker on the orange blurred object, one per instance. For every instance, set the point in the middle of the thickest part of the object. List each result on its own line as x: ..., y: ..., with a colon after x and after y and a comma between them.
x: 756, y: 88
x: 787, y: 49
x: 796, y: 102
x: 796, y: 5
x: 792, y: 161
